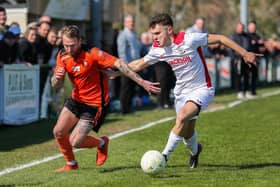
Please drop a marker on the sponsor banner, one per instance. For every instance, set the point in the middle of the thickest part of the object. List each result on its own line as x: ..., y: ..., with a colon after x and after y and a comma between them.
x: 224, y: 73
x: 262, y: 69
x: 271, y: 70
x: 21, y: 94
x: 1, y: 95
x: 277, y: 64
x: 211, y: 66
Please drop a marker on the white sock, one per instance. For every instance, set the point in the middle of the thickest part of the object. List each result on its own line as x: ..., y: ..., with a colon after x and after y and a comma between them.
x: 192, y: 143
x: 172, y: 142
x: 72, y: 163
x: 102, y: 142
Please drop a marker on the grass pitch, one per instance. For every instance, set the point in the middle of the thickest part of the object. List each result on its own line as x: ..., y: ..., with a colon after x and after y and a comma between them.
x: 241, y: 148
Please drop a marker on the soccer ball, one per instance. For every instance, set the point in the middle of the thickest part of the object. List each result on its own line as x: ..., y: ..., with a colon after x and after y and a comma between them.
x: 152, y: 162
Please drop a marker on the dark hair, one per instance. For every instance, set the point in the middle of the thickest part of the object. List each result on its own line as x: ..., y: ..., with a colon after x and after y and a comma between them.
x: 253, y: 21
x: 163, y: 19
x: 2, y: 9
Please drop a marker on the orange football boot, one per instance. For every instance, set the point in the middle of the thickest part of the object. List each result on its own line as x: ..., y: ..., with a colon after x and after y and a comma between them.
x: 67, y: 168
x: 102, y: 152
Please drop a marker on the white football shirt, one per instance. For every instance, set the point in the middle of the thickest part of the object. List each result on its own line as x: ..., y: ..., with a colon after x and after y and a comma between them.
x: 186, y: 59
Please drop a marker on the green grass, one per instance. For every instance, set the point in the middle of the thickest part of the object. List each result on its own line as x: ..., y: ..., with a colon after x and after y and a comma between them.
x: 240, y: 149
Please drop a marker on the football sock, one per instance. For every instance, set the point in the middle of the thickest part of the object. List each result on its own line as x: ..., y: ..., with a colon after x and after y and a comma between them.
x: 90, y: 142
x: 192, y: 143
x: 172, y: 142
x: 72, y: 163
x: 102, y: 142
x: 65, y: 147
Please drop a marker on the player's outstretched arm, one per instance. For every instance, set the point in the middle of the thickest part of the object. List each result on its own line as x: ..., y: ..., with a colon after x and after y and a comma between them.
x: 249, y: 57
x: 150, y: 87
x: 135, y: 65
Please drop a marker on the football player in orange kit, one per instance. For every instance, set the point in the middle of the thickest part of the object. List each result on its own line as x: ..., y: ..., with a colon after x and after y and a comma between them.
x: 87, y: 107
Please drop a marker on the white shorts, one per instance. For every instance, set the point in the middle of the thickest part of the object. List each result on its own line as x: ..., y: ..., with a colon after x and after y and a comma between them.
x: 201, y: 96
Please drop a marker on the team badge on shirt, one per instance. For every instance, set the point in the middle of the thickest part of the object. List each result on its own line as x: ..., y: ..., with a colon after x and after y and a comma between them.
x: 76, y: 68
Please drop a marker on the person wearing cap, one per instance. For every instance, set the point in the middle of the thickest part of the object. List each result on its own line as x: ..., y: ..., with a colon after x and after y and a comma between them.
x: 15, y: 29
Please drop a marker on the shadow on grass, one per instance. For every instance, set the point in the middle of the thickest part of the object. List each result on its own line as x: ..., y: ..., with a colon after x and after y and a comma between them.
x: 119, y: 168
x: 244, y: 166
x: 12, y: 137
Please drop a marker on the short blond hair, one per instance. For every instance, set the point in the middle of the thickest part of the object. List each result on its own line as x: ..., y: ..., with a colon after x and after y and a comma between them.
x: 71, y: 31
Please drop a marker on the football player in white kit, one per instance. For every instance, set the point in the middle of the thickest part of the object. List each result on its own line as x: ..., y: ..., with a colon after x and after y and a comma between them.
x: 193, y: 91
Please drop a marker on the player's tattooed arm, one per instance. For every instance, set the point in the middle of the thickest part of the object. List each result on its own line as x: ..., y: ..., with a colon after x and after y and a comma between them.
x: 136, y: 65
x: 125, y: 70
x: 150, y: 87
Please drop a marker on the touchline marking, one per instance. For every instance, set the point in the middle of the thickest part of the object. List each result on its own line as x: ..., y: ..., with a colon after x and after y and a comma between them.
x: 47, y: 159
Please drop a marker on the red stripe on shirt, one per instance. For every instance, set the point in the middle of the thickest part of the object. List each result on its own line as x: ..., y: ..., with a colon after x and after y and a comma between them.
x: 208, y: 79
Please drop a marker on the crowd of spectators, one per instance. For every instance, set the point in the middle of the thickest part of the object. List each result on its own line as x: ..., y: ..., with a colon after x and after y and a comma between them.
x: 33, y: 46
x: 37, y: 44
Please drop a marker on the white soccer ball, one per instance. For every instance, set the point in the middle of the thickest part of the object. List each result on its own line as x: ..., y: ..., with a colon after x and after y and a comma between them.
x: 152, y: 162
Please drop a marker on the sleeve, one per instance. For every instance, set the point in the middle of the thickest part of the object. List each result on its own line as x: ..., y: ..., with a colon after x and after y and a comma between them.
x: 121, y: 45
x: 104, y: 60
x: 197, y: 39
x: 152, y: 57
x: 59, y: 62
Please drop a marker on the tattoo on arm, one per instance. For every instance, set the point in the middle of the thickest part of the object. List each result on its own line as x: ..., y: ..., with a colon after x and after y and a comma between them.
x: 128, y: 72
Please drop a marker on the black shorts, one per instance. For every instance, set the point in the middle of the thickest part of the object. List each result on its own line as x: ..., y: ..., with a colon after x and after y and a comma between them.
x: 87, y: 112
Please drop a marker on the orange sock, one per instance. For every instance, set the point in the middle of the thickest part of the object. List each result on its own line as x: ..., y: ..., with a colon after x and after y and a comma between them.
x: 65, y: 147
x: 90, y: 142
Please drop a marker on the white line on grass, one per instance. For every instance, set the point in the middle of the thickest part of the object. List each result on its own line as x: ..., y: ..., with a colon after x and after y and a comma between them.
x: 47, y: 159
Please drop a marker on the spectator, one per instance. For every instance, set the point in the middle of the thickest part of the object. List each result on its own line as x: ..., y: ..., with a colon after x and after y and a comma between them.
x: 199, y: 26
x: 41, y: 43
x: 256, y: 46
x: 33, y: 24
x: 115, y: 84
x: 43, y: 52
x: 272, y: 48
x: 240, y: 69
x: 217, y: 51
x: 128, y: 50
x: 46, y: 93
x: 51, y: 43
x: 8, y: 48
x: 27, y: 49
x: 146, y: 42
x: 45, y: 18
x: 15, y: 29
x: 54, y: 43
x: 58, y: 42
x: 3, y: 18
x: 165, y: 76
